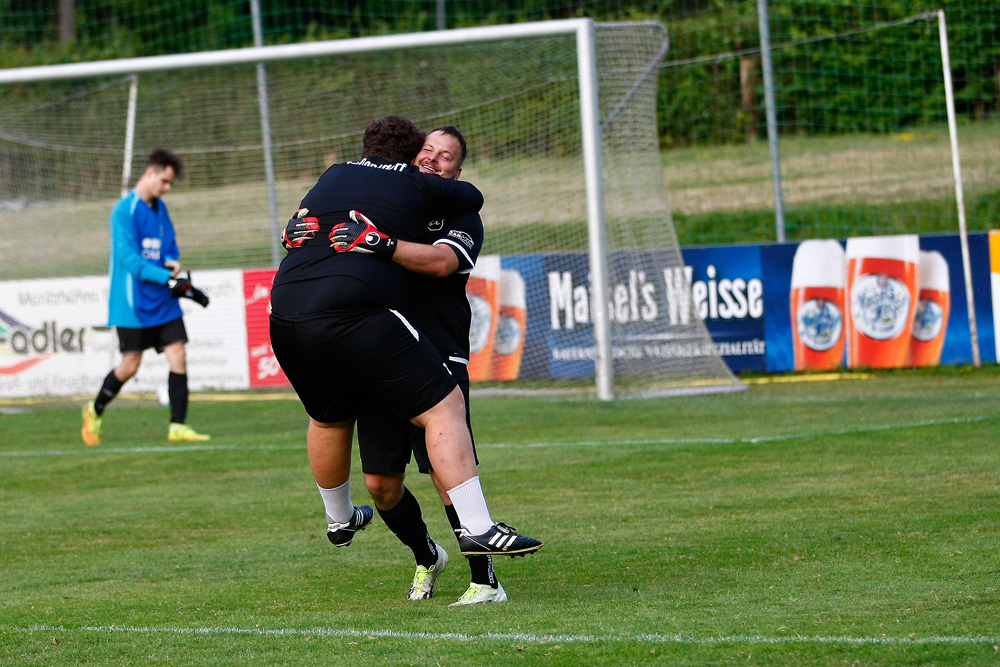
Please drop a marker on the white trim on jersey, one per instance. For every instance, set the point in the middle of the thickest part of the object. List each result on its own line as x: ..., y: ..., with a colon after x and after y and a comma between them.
x: 462, y: 249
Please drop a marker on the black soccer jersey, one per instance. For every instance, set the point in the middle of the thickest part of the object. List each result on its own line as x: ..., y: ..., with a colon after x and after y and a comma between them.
x: 397, y: 197
x: 439, y: 306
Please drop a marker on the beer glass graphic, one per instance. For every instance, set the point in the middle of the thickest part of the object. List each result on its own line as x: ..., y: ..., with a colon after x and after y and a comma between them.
x: 817, y: 302
x: 508, y: 341
x: 930, y: 323
x: 883, y: 277
x: 483, y: 292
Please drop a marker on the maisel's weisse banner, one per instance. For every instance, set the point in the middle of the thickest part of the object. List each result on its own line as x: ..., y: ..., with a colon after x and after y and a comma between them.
x: 867, y: 302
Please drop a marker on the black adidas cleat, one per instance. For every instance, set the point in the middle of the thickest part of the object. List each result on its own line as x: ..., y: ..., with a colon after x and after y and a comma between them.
x: 341, y: 534
x: 499, y: 540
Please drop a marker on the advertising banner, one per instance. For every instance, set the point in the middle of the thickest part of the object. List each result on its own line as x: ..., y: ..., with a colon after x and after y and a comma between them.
x: 902, y: 302
x: 264, y: 370
x: 884, y: 302
x: 54, y: 338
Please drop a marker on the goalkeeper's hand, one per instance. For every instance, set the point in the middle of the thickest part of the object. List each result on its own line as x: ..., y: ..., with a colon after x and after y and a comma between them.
x: 182, y: 287
x: 361, y: 235
x: 298, y: 231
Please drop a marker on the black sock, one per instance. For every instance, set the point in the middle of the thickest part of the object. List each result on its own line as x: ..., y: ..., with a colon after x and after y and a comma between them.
x: 112, y: 385
x: 177, y: 389
x: 407, y: 523
x: 481, y: 566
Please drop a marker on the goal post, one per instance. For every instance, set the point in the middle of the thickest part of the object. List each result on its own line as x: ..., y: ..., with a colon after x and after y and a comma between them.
x: 561, y: 122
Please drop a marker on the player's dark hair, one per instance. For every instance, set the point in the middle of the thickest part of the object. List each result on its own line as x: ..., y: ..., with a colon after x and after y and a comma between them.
x: 161, y: 158
x: 454, y: 131
x: 392, y: 138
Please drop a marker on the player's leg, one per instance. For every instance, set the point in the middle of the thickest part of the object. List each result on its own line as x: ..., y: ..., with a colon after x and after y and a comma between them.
x: 173, y: 343
x: 301, y: 346
x: 449, y: 448
x: 385, y: 452
x: 131, y: 344
x: 329, y: 449
x: 483, y: 585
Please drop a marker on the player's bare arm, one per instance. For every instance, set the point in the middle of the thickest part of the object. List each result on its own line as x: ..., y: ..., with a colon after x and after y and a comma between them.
x: 436, y: 261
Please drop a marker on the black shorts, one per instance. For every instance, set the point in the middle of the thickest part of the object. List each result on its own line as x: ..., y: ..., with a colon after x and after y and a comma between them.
x: 385, y: 444
x: 336, y: 359
x: 134, y: 341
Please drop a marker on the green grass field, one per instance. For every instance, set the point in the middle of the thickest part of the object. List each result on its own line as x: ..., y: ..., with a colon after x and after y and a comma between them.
x: 850, y: 521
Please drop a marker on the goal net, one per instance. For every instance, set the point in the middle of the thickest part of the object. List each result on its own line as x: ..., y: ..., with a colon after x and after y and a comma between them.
x: 558, y: 209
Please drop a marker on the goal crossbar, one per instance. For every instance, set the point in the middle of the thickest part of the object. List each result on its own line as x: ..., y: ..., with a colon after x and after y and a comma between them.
x: 278, y: 52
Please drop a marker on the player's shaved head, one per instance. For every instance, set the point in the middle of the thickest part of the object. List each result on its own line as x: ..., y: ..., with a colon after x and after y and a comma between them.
x: 392, y: 138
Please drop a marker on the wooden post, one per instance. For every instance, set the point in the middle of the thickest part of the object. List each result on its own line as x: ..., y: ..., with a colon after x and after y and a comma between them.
x: 746, y: 86
x: 67, y: 21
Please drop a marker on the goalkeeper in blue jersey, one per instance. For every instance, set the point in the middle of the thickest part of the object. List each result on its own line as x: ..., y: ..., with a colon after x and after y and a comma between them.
x: 143, y: 303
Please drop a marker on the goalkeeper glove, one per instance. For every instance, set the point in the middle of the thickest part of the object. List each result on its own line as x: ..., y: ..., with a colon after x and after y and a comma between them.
x: 182, y: 287
x: 361, y: 235
x: 299, y: 230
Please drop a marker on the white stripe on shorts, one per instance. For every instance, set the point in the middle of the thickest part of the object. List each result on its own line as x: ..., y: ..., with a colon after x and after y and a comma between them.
x: 416, y: 334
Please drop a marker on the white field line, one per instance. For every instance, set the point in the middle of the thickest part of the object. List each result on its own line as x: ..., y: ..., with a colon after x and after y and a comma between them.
x: 501, y: 445
x: 515, y: 636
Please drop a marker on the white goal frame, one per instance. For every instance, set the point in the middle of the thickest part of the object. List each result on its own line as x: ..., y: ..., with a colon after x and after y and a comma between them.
x: 583, y: 30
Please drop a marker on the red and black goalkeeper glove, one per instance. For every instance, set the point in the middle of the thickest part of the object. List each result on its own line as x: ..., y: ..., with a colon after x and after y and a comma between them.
x: 182, y: 287
x: 361, y: 235
x: 299, y: 230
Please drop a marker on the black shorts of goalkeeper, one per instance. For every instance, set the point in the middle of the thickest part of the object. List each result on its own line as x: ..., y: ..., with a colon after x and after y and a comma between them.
x: 134, y: 341
x: 341, y: 360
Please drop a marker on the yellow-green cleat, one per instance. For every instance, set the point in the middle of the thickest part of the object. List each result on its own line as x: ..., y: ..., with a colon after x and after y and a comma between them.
x: 424, y: 577
x: 92, y: 424
x: 184, y: 433
x: 480, y: 594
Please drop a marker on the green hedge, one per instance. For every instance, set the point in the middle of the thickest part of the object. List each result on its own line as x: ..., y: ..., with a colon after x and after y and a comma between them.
x: 880, y: 80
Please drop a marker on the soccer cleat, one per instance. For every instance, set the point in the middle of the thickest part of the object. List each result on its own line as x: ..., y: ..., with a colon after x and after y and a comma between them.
x: 92, y: 424
x: 424, y: 577
x: 184, y: 433
x: 481, y: 593
x: 341, y: 534
x: 500, y: 539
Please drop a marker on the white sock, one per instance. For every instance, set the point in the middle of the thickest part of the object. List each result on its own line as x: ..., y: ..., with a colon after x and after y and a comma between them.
x: 470, y: 504
x: 339, y: 508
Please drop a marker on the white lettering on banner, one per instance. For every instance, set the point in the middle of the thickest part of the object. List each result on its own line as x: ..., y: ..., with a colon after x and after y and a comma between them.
x: 636, y: 300
x: 670, y: 350
x: 678, y: 294
x: 564, y: 298
x: 267, y: 366
x: 259, y: 292
x: 740, y: 298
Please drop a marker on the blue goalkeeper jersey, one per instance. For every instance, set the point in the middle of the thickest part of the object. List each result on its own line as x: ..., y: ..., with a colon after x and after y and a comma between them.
x: 142, y: 239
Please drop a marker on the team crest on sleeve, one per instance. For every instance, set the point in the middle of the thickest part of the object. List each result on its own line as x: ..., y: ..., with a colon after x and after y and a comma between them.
x: 462, y: 237
x: 435, y: 225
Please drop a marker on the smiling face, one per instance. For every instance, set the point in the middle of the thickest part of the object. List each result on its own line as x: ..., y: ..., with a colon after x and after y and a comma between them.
x: 440, y: 155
